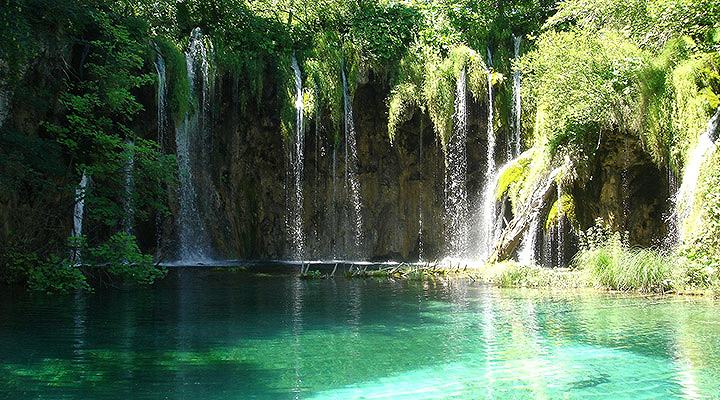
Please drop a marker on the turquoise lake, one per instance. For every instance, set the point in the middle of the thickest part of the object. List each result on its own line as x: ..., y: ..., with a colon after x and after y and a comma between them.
x: 227, y: 334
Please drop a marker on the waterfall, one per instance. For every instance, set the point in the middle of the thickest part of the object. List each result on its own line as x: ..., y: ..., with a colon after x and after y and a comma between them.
x: 161, y: 100
x: 333, y: 203
x: 560, y: 229
x: 685, y: 197
x: 351, y: 167
x: 79, y: 211
x: 79, y: 214
x: 456, y: 207
x: 128, y: 207
x: 162, y: 124
x: 193, y: 239
x: 488, y: 212
x: 517, y: 101
x: 527, y: 248
x: 295, y: 208
x: 421, y: 245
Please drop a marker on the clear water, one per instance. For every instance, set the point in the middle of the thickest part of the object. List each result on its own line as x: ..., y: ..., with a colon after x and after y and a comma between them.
x: 208, y: 334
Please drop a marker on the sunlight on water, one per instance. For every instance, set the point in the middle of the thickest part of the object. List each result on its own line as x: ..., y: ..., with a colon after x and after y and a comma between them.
x: 232, y: 334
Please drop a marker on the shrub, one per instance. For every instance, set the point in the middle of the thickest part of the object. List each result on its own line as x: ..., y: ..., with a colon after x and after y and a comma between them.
x: 612, y: 264
x: 56, y: 276
x: 123, y: 259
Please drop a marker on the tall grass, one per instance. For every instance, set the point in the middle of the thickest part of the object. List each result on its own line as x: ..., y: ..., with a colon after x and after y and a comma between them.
x: 618, y: 267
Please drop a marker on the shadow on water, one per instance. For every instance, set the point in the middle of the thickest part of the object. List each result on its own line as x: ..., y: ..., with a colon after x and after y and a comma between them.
x: 241, y: 333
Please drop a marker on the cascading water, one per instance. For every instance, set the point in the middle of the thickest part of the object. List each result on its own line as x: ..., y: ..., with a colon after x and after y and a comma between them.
x: 488, y: 211
x: 162, y: 124
x: 685, y: 198
x: 161, y: 100
x: 193, y: 239
x: 296, y: 155
x: 333, y: 211
x: 351, y: 168
x: 526, y: 255
x: 456, y: 206
x: 79, y: 210
x: 560, y: 228
x: 420, y: 200
x: 517, y: 101
x: 79, y: 213
x: 129, y: 219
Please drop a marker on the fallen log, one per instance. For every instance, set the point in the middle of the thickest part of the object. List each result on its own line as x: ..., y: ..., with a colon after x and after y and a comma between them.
x: 513, y: 233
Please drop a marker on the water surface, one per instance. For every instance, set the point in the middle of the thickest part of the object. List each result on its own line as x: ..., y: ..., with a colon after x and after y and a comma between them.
x: 210, y: 334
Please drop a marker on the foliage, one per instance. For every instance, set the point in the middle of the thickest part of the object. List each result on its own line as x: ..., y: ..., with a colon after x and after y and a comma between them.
x: 702, y: 238
x: 55, y: 276
x: 512, y: 174
x: 52, y: 274
x: 612, y: 264
x: 430, y: 81
x: 510, y: 274
x: 122, y: 258
x: 119, y: 256
x: 584, y: 85
x: 562, y: 207
x: 178, y: 85
x: 617, y: 267
x: 653, y: 22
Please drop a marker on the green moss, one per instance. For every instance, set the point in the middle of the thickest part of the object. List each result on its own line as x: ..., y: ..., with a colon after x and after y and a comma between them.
x: 513, y: 173
x: 176, y: 75
x: 695, y: 83
x: 566, y: 203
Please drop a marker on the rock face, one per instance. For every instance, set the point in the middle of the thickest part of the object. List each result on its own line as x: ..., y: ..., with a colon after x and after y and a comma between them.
x: 241, y: 179
x: 243, y: 187
x: 627, y: 190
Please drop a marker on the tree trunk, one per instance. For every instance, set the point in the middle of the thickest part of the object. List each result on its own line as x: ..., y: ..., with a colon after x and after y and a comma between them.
x: 512, y: 234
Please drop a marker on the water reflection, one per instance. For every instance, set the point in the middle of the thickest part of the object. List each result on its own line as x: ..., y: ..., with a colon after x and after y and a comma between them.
x: 231, y: 334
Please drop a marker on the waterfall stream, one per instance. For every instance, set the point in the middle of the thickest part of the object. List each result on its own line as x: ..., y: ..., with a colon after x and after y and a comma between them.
x: 488, y: 212
x: 685, y: 197
x: 296, y: 155
x: 517, y: 101
x: 456, y: 206
x: 526, y: 255
x: 79, y: 214
x: 128, y: 206
x: 193, y: 239
x: 79, y: 210
x: 560, y: 228
x: 351, y: 169
x: 162, y: 125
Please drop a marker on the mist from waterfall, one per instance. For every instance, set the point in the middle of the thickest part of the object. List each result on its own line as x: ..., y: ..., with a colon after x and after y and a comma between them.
x: 194, y: 244
x: 456, y: 204
x: 351, y: 170
x: 296, y: 155
x: 685, y: 197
